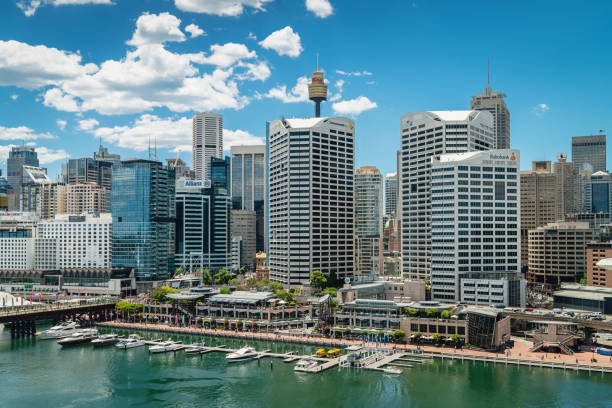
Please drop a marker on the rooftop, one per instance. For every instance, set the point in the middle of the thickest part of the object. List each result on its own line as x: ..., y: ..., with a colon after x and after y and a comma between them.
x: 240, y: 296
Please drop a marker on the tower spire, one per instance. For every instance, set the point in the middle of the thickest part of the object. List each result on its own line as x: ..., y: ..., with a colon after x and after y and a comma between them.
x: 317, y: 90
x: 488, y: 90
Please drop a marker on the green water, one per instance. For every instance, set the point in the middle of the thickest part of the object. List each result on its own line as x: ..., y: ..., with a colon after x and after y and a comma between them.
x: 42, y: 374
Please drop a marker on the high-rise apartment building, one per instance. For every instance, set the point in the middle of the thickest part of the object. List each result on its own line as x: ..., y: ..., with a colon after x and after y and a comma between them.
x: 538, y: 202
x: 143, y: 218
x: 207, y: 142
x: 310, y: 221
x: 33, y: 179
x: 391, y: 194
x: 493, y: 102
x: 424, y: 136
x: 369, y: 220
x: 564, y: 173
x: 248, y: 177
x: 51, y: 200
x: 85, y: 197
x: 474, y: 224
x: 19, y: 156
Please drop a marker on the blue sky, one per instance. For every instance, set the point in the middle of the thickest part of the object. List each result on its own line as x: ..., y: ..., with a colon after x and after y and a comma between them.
x: 72, y: 71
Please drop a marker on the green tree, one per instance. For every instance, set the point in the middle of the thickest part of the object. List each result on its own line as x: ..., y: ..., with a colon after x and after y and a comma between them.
x: 179, y: 270
x: 583, y: 280
x: 432, y: 313
x: 318, y: 280
x: 331, y: 291
x: 333, y: 281
x: 129, y: 307
x: 225, y: 290
x: 222, y: 277
x: 242, y: 270
x: 284, y: 295
x: 411, y: 311
x: 436, y: 337
x: 445, y: 314
x: 275, y: 286
x: 233, y: 281
x: 456, y: 339
x: 399, y: 334
x: 206, y: 277
x: 161, y: 294
x: 417, y: 336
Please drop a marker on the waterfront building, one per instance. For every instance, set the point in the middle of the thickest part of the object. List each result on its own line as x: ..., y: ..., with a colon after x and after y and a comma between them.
x: 475, y: 224
x: 207, y: 141
x: 310, y: 221
x: 426, y: 135
x: 202, y: 225
x: 369, y: 220
x: 564, y: 173
x: 597, y: 251
x: 538, y: 202
x: 243, y: 227
x: 588, y: 153
x: 19, y: 156
x: 51, y: 200
x: 85, y: 197
x: 557, y: 254
x: 143, y: 218
x: 391, y: 289
x: 17, y: 251
x: 493, y: 102
x: 181, y: 169
x: 597, y: 190
x: 391, y: 186
x: 33, y: 178
x: 586, y: 298
x: 248, y: 175
x: 487, y: 328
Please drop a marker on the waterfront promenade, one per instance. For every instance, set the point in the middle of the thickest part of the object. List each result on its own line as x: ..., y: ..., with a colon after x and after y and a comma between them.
x: 518, y: 355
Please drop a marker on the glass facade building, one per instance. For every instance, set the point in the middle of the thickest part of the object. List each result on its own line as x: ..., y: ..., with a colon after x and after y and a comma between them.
x: 143, y: 218
x: 598, y: 193
x: 19, y: 157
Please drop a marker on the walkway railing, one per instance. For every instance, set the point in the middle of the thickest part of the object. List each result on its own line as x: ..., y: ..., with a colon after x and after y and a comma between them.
x: 47, y: 307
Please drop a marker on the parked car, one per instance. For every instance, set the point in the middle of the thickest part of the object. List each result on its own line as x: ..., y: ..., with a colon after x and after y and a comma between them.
x: 529, y: 309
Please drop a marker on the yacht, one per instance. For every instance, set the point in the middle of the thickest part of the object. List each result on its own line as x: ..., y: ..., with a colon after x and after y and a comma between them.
x: 105, y: 340
x: 61, y: 330
x: 392, y: 370
x: 132, y: 341
x: 305, y: 364
x: 245, y: 353
x: 81, y: 337
x: 165, y: 347
x: 195, y: 348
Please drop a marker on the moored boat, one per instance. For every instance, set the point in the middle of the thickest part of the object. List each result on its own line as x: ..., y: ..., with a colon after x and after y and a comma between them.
x: 105, y: 340
x: 243, y: 354
x: 132, y: 341
x: 81, y: 337
x: 305, y: 364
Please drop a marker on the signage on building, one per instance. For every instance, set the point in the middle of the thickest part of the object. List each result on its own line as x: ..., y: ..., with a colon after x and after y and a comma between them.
x: 197, y: 183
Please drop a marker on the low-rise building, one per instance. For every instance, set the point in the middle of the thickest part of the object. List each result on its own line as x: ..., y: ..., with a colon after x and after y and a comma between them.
x: 587, y: 298
x: 596, y: 275
x: 405, y: 290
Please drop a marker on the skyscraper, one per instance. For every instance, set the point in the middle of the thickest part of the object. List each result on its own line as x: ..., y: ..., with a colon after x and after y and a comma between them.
x: 588, y: 154
x: 493, y: 102
x: 598, y: 193
x: 564, y: 173
x: 391, y: 194
x: 143, y: 218
x: 88, y: 170
x: 19, y: 156
x: 248, y: 184
x: 427, y: 135
x: 310, y: 221
x: 207, y: 142
x: 243, y: 228
x: 368, y: 220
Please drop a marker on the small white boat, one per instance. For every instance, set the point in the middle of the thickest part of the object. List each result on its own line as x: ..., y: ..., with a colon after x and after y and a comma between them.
x: 165, y: 347
x: 105, y: 340
x: 132, y: 341
x: 60, y: 331
x: 195, y: 348
x: 243, y: 354
x: 81, y: 337
x: 392, y: 370
x: 305, y: 364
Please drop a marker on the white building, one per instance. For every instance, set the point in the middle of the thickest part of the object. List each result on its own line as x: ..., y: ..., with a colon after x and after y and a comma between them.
x: 207, y: 142
x: 81, y: 241
x: 475, y: 226
x: 427, y: 135
x: 310, y: 221
x: 17, y: 240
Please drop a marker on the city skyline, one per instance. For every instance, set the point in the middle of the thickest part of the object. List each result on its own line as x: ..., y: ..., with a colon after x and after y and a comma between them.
x: 49, y: 94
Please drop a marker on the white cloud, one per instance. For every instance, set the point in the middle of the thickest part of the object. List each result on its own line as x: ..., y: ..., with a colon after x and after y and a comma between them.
x: 354, y: 106
x: 239, y: 137
x: 299, y: 93
x: 46, y: 155
x: 55, y: 98
x: 29, y: 7
x: 252, y: 36
x: 194, y: 30
x: 157, y: 29
x: 61, y: 124
x: 88, y: 124
x: 354, y: 73
x: 220, y: 7
x: 227, y: 54
x: 540, y: 109
x: 321, y: 8
x: 284, y: 42
x: 22, y: 133
x: 254, y: 72
x: 14, y: 97
x: 339, y: 84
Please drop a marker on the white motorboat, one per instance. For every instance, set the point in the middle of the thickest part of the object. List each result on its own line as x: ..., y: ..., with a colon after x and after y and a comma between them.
x: 305, y: 364
x: 81, y: 337
x: 60, y: 331
x: 195, y: 348
x: 132, y: 341
x: 165, y: 347
x: 243, y: 354
x: 105, y: 340
x: 392, y: 370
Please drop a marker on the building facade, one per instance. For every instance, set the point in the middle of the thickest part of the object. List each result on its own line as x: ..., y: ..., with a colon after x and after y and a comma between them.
x: 85, y: 197
x: 51, y: 200
x: 596, y: 275
x: 588, y: 153
x: 181, y: 169
x: 391, y: 186
x: 88, y: 170
x: 493, y: 102
x: 427, y: 135
x: 369, y: 220
x: 310, y: 221
x: 19, y: 156
x: 564, y: 174
x: 243, y: 226
x: 207, y: 140
x: 475, y: 221
x: 597, y: 193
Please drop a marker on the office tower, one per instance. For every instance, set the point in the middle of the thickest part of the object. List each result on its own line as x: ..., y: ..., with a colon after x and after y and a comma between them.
x: 243, y: 227
x: 538, y: 202
x: 80, y: 241
x: 143, y: 218
x: 317, y: 89
x: 493, y: 102
x: 427, y: 135
x: 88, y: 170
x: 33, y: 178
x: 392, y: 235
x: 51, y: 200
x: 598, y: 193
x: 567, y: 240
x: 220, y: 173
x: 202, y: 225
x: 564, y: 173
x: 85, y: 197
x: 398, y: 205
x: 595, y: 252
x: 474, y: 224
x: 18, y: 157
x: 588, y: 154
x: 248, y: 185
x: 580, y: 181
x: 310, y: 220
x: 368, y: 220
x: 207, y: 142
x: 181, y: 169
x: 391, y: 194
x: 103, y: 155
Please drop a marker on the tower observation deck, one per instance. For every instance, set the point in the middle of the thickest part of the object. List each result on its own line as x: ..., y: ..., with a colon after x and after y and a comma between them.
x: 317, y: 90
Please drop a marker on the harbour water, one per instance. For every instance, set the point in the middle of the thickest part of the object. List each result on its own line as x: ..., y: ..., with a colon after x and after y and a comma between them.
x: 41, y: 373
